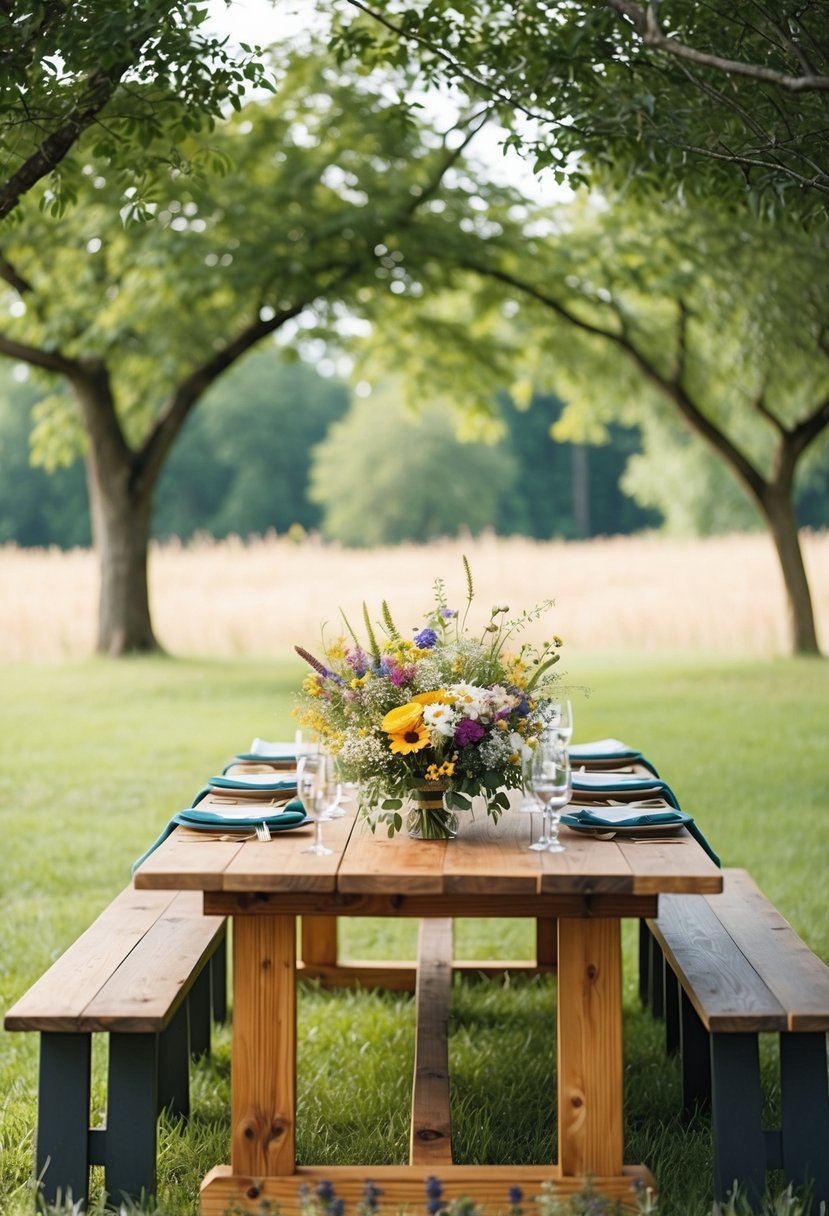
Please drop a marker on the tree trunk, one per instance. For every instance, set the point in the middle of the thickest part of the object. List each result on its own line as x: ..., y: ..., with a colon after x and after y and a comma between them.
x: 778, y: 510
x: 121, y: 510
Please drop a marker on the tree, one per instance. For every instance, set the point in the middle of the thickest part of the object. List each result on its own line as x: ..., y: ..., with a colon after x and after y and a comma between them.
x: 135, y: 324
x: 644, y: 310
x: 127, y: 73
x: 385, y: 474
x: 687, y: 99
x: 242, y: 462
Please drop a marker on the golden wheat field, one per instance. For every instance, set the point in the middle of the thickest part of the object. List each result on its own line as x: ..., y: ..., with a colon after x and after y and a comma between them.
x: 720, y: 595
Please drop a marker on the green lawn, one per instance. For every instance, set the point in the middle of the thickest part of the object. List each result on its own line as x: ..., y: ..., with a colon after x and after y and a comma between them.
x: 97, y: 755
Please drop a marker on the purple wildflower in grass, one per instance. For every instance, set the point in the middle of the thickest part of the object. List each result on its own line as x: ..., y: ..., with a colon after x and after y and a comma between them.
x: 434, y: 1195
x: 468, y: 731
x: 426, y: 639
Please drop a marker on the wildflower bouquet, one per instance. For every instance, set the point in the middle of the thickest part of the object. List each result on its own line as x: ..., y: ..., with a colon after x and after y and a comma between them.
x: 444, y: 710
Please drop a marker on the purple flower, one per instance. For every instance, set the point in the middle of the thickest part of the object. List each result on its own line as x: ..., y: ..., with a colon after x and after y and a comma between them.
x: 448, y: 614
x: 357, y: 659
x: 426, y: 639
x: 399, y: 675
x: 468, y: 731
x: 514, y: 1196
x: 434, y: 1195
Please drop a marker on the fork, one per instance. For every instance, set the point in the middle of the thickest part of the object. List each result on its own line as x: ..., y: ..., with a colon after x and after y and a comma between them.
x: 263, y: 832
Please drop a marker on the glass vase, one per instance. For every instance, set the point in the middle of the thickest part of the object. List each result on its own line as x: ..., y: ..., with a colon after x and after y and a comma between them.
x: 427, y: 818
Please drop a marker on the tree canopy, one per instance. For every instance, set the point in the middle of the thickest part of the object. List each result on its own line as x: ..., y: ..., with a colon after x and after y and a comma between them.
x: 136, y: 79
x: 674, y: 99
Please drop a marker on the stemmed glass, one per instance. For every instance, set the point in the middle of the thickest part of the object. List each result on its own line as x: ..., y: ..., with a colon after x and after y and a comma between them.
x: 562, y: 721
x: 310, y: 787
x: 335, y: 795
x: 530, y: 804
x: 551, y: 782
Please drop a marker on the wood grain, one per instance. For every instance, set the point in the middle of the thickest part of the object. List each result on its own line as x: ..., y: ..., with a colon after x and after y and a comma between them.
x: 430, y: 1139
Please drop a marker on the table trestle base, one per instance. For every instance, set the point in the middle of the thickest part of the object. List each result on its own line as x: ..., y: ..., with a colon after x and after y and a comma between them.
x: 403, y: 1186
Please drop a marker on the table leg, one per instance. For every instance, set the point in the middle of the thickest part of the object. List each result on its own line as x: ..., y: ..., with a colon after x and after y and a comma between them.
x: 263, y: 1078
x: 590, y: 1109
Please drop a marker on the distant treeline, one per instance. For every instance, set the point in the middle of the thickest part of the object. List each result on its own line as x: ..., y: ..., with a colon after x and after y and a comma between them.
x: 275, y: 446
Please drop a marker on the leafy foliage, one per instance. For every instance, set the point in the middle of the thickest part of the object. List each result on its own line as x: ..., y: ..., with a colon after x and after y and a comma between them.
x: 729, y: 103
x: 138, y: 79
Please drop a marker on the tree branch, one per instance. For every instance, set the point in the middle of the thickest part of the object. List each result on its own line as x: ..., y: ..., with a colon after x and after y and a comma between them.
x: 100, y: 88
x: 48, y: 360
x: 671, y: 388
x: 11, y: 276
x: 646, y: 24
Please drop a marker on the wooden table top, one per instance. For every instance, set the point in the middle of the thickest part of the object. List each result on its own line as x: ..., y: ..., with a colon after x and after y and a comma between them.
x: 486, y: 860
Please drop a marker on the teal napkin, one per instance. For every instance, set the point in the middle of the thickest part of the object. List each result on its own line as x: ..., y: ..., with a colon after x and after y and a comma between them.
x: 610, y: 783
x: 608, y: 749
x: 614, y: 818
x: 292, y: 816
x: 246, y: 783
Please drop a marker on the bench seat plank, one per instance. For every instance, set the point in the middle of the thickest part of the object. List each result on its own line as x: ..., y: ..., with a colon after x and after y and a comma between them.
x: 56, y: 1001
x: 722, y: 984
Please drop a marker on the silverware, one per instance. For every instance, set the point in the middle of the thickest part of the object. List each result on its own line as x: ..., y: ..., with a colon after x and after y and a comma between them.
x: 263, y: 832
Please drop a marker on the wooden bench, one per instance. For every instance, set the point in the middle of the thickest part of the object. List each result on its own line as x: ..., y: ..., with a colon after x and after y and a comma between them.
x: 735, y: 969
x: 148, y: 972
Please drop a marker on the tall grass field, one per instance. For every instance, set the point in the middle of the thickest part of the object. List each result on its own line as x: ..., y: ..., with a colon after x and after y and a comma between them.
x: 675, y: 648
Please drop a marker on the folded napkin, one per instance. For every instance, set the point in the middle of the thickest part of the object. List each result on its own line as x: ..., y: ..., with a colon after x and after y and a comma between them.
x: 606, y: 785
x: 267, y: 782
x: 609, y: 818
x: 261, y: 749
x: 282, y: 819
x: 608, y: 750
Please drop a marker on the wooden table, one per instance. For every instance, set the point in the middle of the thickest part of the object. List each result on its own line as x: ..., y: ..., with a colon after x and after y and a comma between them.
x: 487, y: 871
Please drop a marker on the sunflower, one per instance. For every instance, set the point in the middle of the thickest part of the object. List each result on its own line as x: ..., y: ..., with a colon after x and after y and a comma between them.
x: 402, y: 718
x: 410, y: 739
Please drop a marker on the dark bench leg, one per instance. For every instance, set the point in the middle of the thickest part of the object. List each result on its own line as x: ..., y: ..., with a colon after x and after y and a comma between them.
x: 62, y: 1153
x: 656, y: 978
x: 805, y: 1110
x: 198, y: 1007
x: 672, y: 989
x: 218, y: 982
x: 736, y: 1117
x: 131, y: 1133
x: 644, y: 962
x: 174, y: 1065
x: 695, y: 1055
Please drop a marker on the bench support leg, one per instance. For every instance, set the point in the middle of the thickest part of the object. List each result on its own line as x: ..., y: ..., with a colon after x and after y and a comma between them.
x: 174, y: 1063
x: 62, y: 1153
x: 805, y: 1108
x: 198, y: 1012
x: 218, y: 982
x: 736, y: 1117
x: 695, y: 1053
x: 672, y: 998
x: 132, y: 1110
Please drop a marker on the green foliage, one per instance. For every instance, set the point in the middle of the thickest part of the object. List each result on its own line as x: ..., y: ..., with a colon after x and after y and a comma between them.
x: 135, y: 81
x: 242, y: 462
x: 384, y: 475
x: 589, y: 99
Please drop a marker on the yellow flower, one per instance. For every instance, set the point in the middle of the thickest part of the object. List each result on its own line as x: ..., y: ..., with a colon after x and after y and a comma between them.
x: 411, y: 739
x: 429, y: 698
x: 311, y: 685
x: 402, y: 718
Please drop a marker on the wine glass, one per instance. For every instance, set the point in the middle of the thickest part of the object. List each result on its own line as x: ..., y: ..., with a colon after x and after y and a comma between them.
x: 334, y: 793
x: 551, y: 780
x: 562, y: 721
x: 530, y: 804
x: 310, y: 787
